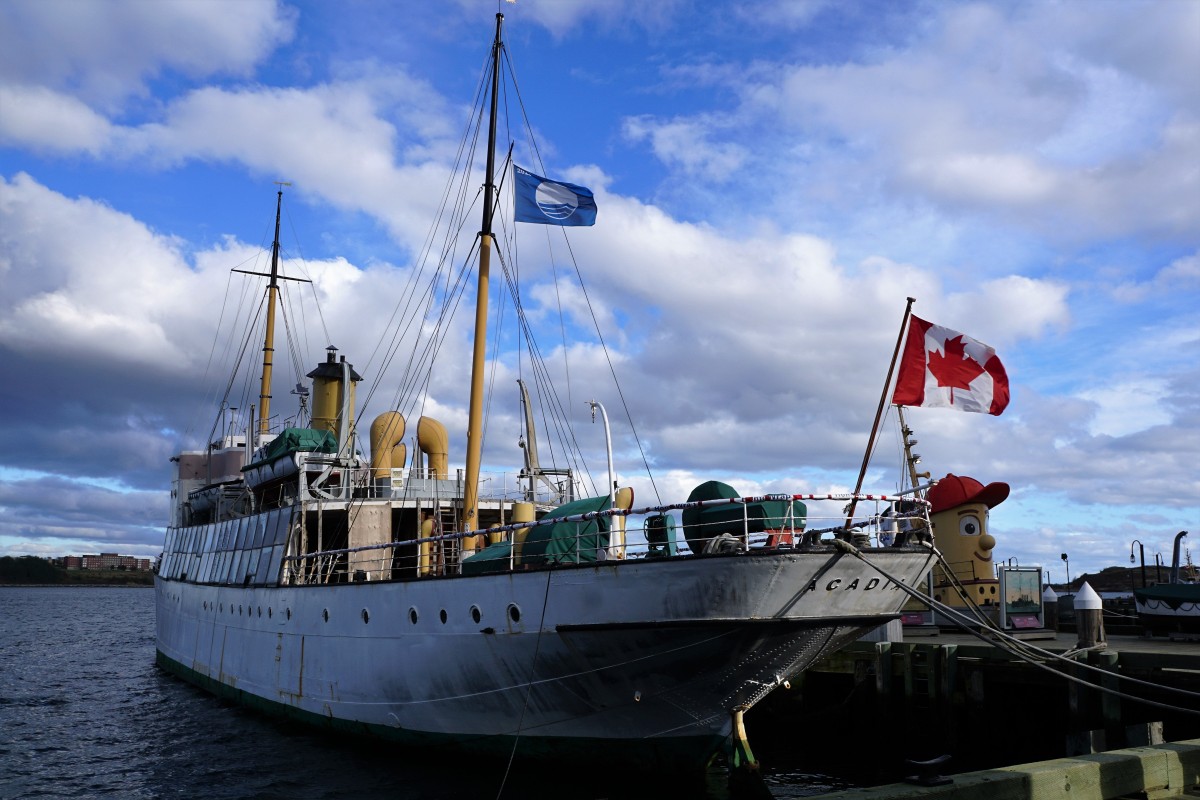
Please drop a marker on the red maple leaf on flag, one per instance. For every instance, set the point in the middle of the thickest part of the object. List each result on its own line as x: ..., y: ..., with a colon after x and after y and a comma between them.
x: 955, y: 368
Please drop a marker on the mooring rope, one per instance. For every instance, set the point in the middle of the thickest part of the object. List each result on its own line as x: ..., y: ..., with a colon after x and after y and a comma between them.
x: 963, y: 621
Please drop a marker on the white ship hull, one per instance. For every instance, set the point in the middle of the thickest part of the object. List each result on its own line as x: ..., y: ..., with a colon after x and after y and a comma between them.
x: 1172, y: 608
x: 647, y: 658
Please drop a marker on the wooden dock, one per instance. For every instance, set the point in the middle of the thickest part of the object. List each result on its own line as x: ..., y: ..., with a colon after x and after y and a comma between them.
x: 1153, y: 773
x: 952, y: 694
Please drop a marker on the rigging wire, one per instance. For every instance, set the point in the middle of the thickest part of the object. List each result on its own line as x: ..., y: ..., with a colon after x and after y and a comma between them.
x: 1021, y: 650
x: 537, y: 646
x: 307, y: 274
x: 213, y: 349
x: 557, y: 422
x: 453, y: 189
x: 613, y: 370
x: 547, y: 393
x: 588, y: 301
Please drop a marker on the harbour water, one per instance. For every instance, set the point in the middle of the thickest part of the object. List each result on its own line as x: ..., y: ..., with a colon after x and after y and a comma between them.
x: 84, y: 712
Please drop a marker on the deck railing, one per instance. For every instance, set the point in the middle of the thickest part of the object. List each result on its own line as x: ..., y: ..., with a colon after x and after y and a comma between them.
x: 324, y: 480
x: 442, y: 554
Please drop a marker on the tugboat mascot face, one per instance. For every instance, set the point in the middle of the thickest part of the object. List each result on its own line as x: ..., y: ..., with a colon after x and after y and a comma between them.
x: 959, y: 512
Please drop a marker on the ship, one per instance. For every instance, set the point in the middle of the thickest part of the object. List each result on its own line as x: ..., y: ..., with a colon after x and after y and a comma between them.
x: 327, y: 577
x: 1173, y: 608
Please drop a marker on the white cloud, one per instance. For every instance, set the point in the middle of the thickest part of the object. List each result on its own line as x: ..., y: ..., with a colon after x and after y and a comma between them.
x: 686, y: 144
x: 565, y: 19
x: 106, y: 51
x: 42, y: 119
x: 983, y: 179
x: 1048, y: 124
x: 1127, y: 406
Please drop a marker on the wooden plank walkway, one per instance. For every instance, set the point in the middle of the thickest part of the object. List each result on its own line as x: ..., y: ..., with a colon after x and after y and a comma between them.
x: 1155, y: 773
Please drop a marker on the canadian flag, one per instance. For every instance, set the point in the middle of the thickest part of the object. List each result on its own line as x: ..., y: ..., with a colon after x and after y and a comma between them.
x: 941, y: 368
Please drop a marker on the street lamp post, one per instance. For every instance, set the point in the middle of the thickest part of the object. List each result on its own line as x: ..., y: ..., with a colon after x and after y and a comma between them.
x: 1068, y: 563
x: 1158, y: 567
x: 1142, y: 552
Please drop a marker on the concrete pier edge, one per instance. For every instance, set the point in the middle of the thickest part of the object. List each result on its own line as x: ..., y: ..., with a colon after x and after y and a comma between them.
x: 1153, y: 772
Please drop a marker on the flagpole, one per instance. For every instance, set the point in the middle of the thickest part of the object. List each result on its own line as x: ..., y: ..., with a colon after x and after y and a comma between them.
x: 862, y: 472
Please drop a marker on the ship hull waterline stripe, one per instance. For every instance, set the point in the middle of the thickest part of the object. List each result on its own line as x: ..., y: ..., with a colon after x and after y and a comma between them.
x: 677, y: 753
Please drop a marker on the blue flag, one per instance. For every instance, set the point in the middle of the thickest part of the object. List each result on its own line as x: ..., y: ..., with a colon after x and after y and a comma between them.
x: 537, y: 199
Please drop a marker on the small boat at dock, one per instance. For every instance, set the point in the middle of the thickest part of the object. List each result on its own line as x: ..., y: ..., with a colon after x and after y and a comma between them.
x: 1172, y: 608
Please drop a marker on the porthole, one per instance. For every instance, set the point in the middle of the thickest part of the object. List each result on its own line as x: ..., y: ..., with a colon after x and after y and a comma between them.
x: 270, y: 613
x: 476, y: 614
x: 222, y: 608
x: 442, y: 614
x: 412, y: 615
x: 514, y: 612
x: 325, y: 614
x: 206, y: 605
x: 260, y: 611
x: 366, y: 615
x: 239, y: 611
x: 289, y: 613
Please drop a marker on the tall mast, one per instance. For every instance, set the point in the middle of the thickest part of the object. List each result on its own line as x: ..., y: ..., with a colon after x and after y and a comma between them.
x: 264, y: 393
x: 475, y: 414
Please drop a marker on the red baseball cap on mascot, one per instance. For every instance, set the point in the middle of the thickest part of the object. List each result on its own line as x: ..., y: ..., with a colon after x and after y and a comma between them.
x: 958, y: 490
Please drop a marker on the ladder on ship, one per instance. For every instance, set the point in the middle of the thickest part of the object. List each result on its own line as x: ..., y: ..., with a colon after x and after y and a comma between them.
x: 448, y: 549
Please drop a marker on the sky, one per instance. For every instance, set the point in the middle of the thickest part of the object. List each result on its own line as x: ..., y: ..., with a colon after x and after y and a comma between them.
x: 773, y: 180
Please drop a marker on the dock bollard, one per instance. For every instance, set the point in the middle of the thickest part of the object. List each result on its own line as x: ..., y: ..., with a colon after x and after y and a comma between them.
x: 1089, y: 617
x: 1050, y: 609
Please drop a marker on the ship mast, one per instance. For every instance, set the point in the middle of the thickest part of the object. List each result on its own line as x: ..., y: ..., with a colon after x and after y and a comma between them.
x: 264, y: 392
x: 475, y: 414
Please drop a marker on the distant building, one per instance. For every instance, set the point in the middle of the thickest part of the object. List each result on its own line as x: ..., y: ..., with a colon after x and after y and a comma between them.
x: 108, y: 561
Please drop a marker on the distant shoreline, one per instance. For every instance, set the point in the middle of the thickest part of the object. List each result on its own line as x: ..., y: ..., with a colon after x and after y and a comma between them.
x: 34, y: 571
x: 77, y: 585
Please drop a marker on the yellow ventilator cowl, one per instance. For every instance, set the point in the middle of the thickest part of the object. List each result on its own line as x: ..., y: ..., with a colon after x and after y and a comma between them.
x: 623, y: 500
x: 387, y: 444
x: 435, y: 444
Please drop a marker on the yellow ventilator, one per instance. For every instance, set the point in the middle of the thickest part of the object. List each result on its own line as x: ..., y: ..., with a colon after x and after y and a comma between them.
x: 387, y: 444
x: 425, y: 548
x: 521, y: 512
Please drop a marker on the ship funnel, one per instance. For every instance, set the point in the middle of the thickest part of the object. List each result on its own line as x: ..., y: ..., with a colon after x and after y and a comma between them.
x: 387, y: 444
x: 333, y: 395
x: 435, y: 444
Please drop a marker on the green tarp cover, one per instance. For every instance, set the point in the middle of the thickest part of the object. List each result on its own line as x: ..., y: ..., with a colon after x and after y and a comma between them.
x: 560, y: 543
x: 297, y: 440
x: 568, y: 542
x: 702, y: 524
x: 493, y: 558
